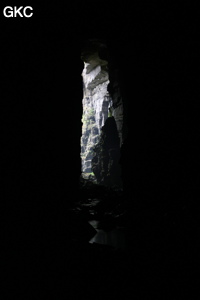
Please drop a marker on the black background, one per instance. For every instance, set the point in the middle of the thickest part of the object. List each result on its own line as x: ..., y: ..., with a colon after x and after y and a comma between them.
x: 155, y: 47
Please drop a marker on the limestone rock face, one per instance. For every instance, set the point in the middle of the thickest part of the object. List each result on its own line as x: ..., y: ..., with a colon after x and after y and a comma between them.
x: 96, y: 102
x: 102, y: 100
x: 105, y: 163
x: 117, y: 103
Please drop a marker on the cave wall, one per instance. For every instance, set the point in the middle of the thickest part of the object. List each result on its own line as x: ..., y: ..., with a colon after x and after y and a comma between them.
x: 158, y: 91
x: 106, y: 157
x: 41, y: 114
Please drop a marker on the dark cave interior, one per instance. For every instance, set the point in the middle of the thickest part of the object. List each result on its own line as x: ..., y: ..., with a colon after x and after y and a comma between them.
x: 144, y: 231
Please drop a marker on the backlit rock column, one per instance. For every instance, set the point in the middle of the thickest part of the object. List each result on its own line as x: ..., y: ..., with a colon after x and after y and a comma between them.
x: 102, y: 117
x: 96, y: 102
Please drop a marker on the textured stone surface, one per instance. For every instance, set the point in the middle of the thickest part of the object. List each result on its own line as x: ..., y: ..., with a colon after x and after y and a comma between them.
x: 117, y: 107
x: 96, y: 101
x: 105, y: 163
x: 101, y: 99
x: 95, y: 112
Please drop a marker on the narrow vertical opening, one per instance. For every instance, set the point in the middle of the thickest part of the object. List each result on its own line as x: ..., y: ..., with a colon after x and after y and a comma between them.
x: 101, y: 127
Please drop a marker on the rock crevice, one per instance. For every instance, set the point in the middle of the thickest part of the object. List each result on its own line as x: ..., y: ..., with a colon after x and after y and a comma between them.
x: 96, y: 102
x: 101, y: 101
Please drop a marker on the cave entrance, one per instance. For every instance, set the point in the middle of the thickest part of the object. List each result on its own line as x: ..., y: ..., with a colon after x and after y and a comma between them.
x: 100, y: 140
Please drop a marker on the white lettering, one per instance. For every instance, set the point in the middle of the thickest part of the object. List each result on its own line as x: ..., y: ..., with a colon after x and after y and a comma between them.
x: 17, y: 11
x: 30, y: 15
x: 10, y: 11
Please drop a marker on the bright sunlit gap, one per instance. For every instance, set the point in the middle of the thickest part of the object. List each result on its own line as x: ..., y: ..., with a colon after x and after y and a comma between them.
x: 97, y: 107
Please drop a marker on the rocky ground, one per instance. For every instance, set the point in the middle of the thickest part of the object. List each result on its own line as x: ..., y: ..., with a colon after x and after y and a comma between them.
x: 67, y: 262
